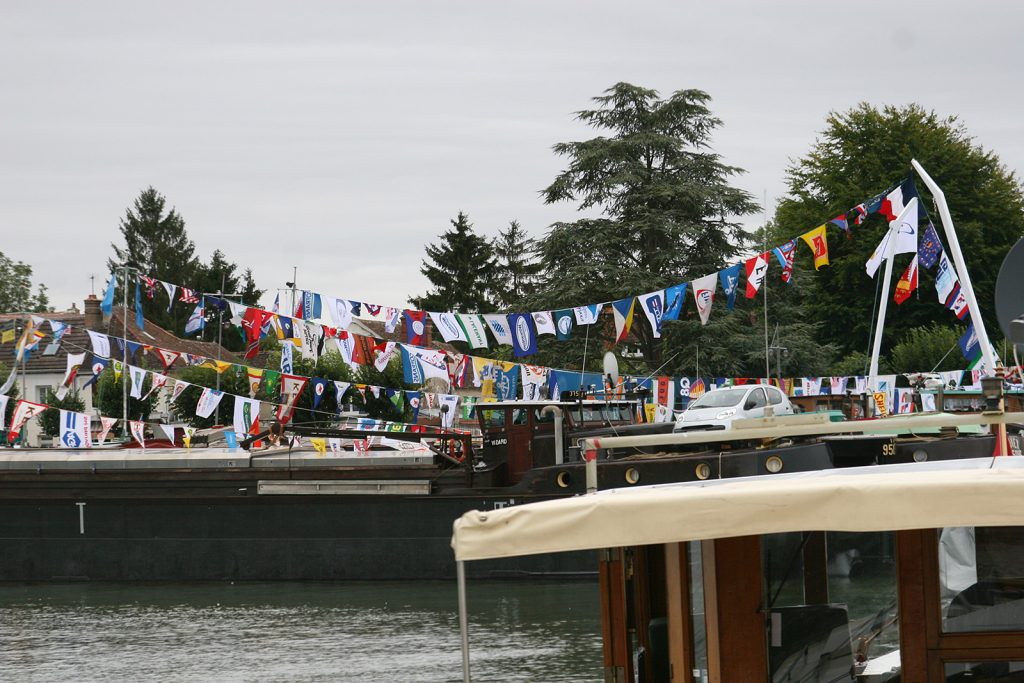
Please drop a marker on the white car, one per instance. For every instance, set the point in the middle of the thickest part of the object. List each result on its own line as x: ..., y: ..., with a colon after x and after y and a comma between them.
x: 719, y: 407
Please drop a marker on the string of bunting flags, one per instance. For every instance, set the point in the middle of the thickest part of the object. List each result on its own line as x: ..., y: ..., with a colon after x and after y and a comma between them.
x: 522, y: 330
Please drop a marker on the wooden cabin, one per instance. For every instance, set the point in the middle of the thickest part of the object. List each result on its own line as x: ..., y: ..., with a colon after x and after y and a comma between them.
x: 911, y: 572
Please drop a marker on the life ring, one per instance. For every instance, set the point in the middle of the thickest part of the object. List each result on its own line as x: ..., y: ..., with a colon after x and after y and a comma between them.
x: 455, y: 451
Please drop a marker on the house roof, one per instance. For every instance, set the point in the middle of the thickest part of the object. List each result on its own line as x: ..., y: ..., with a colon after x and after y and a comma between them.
x: 77, y: 340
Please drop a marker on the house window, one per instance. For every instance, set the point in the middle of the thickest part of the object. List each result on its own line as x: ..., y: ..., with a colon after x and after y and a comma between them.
x: 43, y: 393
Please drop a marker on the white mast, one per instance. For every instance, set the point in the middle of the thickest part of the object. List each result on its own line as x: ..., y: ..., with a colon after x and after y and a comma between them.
x: 988, y: 359
x: 890, y: 252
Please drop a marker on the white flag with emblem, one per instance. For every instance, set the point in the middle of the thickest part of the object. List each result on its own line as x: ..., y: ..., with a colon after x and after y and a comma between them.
x: 544, y: 322
x: 499, y: 327
x: 208, y: 401
x: 138, y: 377
x: 474, y: 328
x: 704, y: 295
x: 448, y: 325
x: 74, y: 430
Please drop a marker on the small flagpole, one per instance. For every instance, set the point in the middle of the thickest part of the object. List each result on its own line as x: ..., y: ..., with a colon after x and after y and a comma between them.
x: 764, y: 284
x: 876, y: 349
x: 961, y: 267
x: 124, y: 353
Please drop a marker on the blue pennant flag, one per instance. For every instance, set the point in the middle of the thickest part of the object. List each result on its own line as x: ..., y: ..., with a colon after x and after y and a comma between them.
x: 414, y: 402
x: 411, y: 372
x: 311, y: 306
x: 969, y: 345
x: 929, y: 247
x: 730, y: 279
x: 140, y: 322
x: 217, y: 302
x: 107, y: 305
x: 99, y: 364
x: 675, y: 297
x: 524, y: 336
x: 133, y: 348
x: 197, y: 321
x: 319, y: 387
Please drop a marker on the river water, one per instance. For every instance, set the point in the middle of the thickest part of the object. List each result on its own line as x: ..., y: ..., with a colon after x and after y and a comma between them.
x: 387, y: 631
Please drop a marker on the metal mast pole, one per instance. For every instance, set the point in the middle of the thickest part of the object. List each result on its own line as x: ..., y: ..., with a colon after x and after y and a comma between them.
x: 124, y: 354
x: 961, y: 267
x: 764, y: 285
x: 295, y: 274
x: 890, y: 248
x: 220, y: 333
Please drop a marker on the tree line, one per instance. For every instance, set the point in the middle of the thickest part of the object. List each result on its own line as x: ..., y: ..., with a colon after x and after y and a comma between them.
x: 668, y: 211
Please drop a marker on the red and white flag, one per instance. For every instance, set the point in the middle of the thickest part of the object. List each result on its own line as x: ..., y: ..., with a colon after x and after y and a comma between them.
x: 757, y: 268
x: 23, y: 412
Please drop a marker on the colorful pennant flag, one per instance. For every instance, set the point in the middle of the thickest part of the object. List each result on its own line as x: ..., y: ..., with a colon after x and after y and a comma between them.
x: 906, y: 243
x: 929, y: 248
x: 653, y: 306
x: 474, y: 329
x: 208, y: 402
x: 23, y: 412
x: 498, y: 324
x: 704, y: 295
x: 907, y: 282
x: 524, y: 338
x: 543, y: 323
x: 757, y: 268
x: 622, y: 311
x: 319, y: 387
x: 784, y: 255
x: 817, y: 240
x: 897, y: 200
x: 414, y: 327
x: 138, y: 429
x: 564, y: 320
x: 730, y: 280
x: 448, y: 325
x: 675, y: 297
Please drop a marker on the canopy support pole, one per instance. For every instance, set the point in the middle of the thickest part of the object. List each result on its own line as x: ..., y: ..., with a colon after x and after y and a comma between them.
x: 890, y: 253
x: 961, y: 267
x: 460, y: 571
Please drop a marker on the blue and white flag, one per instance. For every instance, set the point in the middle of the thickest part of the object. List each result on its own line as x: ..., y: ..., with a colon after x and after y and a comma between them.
x: 74, y: 430
x: 197, y: 321
x: 587, y: 315
x: 969, y: 346
x: 107, y: 305
x: 140, y: 321
x: 653, y: 305
x: 319, y: 387
x: 311, y: 306
x: 524, y: 338
x: 286, y: 358
x: 448, y: 325
x: 414, y: 402
x: 675, y: 297
x: 730, y: 280
x: 498, y: 324
x: 563, y: 323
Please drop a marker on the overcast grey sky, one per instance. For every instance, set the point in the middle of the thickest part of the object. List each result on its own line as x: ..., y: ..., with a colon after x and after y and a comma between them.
x: 340, y: 137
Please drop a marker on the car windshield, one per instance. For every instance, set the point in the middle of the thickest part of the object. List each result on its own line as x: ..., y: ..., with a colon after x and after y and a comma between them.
x: 719, y: 399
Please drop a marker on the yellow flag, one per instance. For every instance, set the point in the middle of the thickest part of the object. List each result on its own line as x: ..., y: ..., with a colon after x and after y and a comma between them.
x: 320, y: 445
x: 8, y: 337
x: 881, y: 403
x: 118, y: 369
x: 818, y: 243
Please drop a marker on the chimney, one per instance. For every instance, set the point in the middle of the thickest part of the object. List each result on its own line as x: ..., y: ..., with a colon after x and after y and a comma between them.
x: 93, y: 315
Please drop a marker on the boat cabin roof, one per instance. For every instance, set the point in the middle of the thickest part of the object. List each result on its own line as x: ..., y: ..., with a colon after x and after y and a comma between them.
x: 977, y: 492
x: 560, y: 404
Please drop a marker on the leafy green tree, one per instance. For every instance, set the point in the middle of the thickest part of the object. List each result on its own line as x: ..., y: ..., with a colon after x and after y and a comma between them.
x: 665, y: 209
x: 109, y: 397
x: 862, y: 152
x: 922, y: 349
x: 16, y: 288
x: 157, y: 244
x: 460, y: 268
x: 49, y: 420
x: 516, y: 266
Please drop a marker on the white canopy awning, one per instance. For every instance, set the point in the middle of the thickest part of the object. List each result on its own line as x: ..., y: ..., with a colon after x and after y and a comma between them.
x: 976, y: 492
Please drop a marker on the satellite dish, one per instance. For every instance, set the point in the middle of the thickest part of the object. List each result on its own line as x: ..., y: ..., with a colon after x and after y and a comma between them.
x: 611, y: 369
x: 1010, y: 294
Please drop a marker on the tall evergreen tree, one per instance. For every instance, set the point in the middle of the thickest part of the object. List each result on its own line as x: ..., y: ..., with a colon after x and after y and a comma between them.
x: 516, y: 266
x: 460, y: 268
x: 860, y: 153
x: 667, y: 212
x: 157, y: 244
x: 16, y: 288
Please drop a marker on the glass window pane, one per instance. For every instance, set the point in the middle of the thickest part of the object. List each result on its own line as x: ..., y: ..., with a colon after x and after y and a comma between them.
x: 976, y: 672
x: 981, y: 578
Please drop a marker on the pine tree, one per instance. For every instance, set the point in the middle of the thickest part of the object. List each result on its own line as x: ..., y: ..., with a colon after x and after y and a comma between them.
x: 16, y: 288
x: 667, y: 211
x: 460, y: 268
x: 220, y: 275
x: 516, y: 267
x: 157, y: 244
